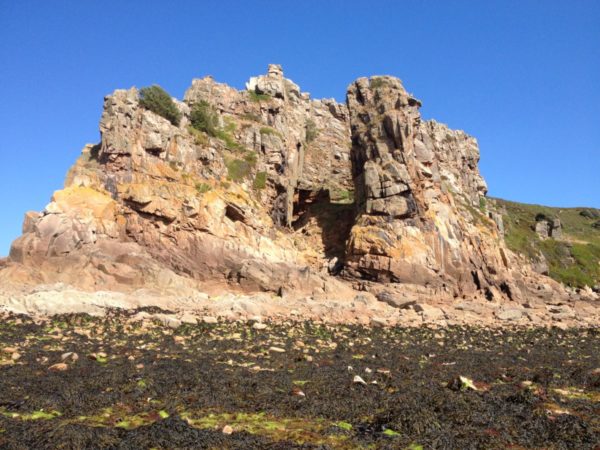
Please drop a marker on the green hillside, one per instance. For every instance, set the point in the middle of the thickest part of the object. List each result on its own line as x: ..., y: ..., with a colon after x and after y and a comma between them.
x: 574, y: 258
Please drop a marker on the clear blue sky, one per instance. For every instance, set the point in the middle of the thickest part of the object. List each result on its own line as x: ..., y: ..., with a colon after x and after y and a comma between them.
x: 522, y: 76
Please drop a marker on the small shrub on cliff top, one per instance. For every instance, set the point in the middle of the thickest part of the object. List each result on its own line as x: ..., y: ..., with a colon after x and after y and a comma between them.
x: 376, y: 83
x: 203, y: 118
x: 156, y: 99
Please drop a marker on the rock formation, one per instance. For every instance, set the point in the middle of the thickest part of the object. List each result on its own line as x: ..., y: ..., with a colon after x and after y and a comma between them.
x: 291, y: 195
x: 548, y: 228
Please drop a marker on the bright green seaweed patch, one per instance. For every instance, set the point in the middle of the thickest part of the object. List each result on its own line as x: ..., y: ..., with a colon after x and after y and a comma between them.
x: 298, y: 430
x: 35, y: 415
x: 344, y: 425
x: 390, y: 432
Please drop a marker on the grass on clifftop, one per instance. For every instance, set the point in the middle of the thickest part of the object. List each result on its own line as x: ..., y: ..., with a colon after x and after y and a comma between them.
x: 574, y: 259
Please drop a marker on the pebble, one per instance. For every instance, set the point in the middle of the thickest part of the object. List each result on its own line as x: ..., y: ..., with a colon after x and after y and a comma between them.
x: 358, y: 380
x: 276, y: 349
x: 59, y: 367
x: 298, y: 392
x: 15, y: 356
x: 227, y: 429
x: 378, y: 322
x: 9, y: 349
x: 189, y: 319
x: 259, y: 326
x: 69, y: 355
x: 210, y: 319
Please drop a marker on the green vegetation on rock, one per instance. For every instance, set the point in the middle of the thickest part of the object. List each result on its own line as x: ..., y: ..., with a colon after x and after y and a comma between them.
x: 156, y: 99
x: 260, y: 181
x: 269, y: 131
x: 378, y: 82
x: 202, y: 188
x: 204, y: 118
x: 200, y: 137
x: 256, y: 97
x: 238, y: 169
x: 574, y: 259
x: 311, y: 130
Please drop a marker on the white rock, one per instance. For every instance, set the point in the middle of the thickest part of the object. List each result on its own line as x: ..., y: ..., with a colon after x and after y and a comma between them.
x: 358, y: 380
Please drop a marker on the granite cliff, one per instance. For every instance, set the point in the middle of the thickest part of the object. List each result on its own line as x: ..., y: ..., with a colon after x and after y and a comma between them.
x: 287, y: 195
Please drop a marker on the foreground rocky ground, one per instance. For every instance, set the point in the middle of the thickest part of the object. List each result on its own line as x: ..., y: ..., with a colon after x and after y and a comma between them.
x: 122, y: 381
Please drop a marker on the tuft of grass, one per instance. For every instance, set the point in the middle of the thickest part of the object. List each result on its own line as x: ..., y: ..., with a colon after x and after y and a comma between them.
x: 260, y: 180
x: 200, y: 137
x: 238, y: 169
x: 202, y: 188
x: 251, y: 157
x: 311, y: 130
x: 269, y: 131
x: 256, y: 97
x: 226, y: 135
x: 251, y: 117
x: 482, y: 204
x: 204, y: 118
x: 341, y: 196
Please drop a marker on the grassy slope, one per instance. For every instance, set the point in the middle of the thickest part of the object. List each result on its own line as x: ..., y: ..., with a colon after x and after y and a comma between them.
x: 574, y: 259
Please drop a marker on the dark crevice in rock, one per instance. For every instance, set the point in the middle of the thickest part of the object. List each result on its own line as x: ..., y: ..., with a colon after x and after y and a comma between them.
x: 314, y: 214
x: 505, y: 288
x: 154, y: 151
x: 235, y: 213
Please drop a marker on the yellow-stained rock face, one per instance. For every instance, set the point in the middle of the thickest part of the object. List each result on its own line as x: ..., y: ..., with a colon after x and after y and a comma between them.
x: 77, y: 201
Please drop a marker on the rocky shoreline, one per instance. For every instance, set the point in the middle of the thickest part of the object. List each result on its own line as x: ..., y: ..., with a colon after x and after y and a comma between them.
x: 382, y: 310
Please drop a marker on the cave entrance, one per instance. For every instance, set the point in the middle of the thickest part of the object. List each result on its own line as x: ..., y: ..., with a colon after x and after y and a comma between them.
x: 323, y: 225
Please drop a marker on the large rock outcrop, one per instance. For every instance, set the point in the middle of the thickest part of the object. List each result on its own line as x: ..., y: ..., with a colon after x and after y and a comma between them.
x: 290, y: 195
x: 419, y: 194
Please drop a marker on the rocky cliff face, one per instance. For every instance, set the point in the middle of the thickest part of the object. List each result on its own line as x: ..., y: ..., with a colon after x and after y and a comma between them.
x: 291, y: 195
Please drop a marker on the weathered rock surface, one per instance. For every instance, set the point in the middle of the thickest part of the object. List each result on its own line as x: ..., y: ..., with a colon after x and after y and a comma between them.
x: 296, y: 197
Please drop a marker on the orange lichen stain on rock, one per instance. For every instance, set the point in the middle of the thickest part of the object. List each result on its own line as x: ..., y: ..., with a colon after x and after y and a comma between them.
x: 407, y: 247
x: 79, y: 198
x: 369, y: 239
